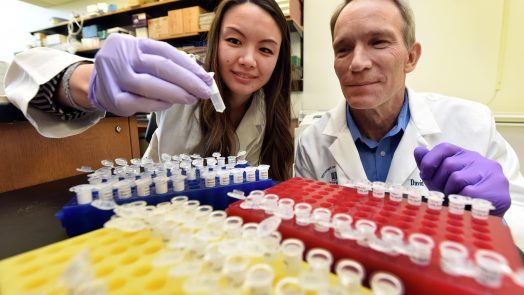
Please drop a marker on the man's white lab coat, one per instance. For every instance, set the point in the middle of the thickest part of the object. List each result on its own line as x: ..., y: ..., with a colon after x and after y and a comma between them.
x: 326, y: 151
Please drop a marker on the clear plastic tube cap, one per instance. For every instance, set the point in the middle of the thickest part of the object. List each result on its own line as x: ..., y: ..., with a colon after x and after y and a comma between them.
x: 349, y: 272
x: 268, y: 226
x: 384, y: 283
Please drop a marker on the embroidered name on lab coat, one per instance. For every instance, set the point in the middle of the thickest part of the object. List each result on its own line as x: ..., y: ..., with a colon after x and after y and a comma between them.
x: 413, y: 182
x: 330, y: 175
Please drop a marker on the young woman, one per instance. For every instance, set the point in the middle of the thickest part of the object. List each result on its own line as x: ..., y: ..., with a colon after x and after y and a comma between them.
x: 249, y: 52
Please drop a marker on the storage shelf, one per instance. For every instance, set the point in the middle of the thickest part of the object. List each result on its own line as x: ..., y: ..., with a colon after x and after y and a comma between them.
x: 122, y: 16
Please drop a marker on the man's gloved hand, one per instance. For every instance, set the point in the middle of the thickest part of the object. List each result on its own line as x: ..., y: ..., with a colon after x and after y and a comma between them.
x: 142, y: 75
x: 453, y: 170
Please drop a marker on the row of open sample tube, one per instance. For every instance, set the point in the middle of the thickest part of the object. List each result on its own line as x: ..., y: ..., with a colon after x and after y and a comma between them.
x: 125, y: 181
x: 215, y: 254
x: 456, y: 203
x: 488, y: 267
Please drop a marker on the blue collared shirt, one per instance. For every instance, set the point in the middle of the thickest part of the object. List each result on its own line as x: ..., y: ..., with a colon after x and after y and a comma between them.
x: 376, y: 156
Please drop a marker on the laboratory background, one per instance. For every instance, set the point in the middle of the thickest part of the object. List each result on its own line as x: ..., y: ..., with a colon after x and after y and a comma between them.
x: 470, y: 49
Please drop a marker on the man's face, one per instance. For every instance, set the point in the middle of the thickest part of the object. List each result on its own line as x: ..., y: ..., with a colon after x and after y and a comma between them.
x: 371, y: 60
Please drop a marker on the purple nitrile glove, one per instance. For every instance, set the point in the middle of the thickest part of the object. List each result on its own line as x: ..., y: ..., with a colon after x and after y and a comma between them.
x: 453, y: 170
x: 142, y: 75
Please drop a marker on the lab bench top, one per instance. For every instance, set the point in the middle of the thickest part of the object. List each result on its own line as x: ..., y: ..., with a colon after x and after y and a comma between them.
x: 27, y: 216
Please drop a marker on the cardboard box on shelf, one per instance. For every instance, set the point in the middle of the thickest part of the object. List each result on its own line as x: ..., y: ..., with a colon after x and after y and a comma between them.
x: 140, y: 19
x: 292, y: 9
x: 175, y: 22
x: 158, y: 28
x: 191, y: 18
x: 134, y: 2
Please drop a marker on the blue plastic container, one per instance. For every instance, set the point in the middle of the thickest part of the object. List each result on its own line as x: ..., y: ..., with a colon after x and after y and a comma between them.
x: 79, y: 219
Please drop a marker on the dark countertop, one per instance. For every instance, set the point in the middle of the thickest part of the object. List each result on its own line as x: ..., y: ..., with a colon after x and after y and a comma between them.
x: 27, y: 216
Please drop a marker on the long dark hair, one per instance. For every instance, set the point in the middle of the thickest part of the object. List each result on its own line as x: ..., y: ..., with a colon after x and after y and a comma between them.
x: 218, y: 133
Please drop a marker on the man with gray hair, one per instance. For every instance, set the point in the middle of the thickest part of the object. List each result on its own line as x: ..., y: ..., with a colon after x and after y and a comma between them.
x: 385, y: 131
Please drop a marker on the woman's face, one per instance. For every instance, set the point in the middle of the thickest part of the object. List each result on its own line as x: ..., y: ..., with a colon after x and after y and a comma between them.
x: 248, y: 49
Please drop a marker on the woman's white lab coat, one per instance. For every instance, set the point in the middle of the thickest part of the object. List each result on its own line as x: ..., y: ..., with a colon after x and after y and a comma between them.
x: 326, y: 151
x: 178, y: 127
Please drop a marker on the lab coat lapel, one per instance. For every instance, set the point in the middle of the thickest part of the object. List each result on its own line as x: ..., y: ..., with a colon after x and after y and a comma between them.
x: 343, y: 149
x: 421, y: 126
x: 254, y: 116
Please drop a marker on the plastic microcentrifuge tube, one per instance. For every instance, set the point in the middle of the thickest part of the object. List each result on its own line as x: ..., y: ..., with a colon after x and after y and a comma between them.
x: 250, y: 174
x: 216, y: 98
x: 190, y: 207
x: 363, y: 187
x: 319, y: 259
x: 221, y: 161
x: 178, y: 183
x: 257, y: 197
x: 201, y: 215
x: 83, y: 193
x: 213, y: 257
x: 270, y: 203
x: 321, y: 218
x: 453, y: 258
x: 289, y: 286
x: 285, y: 208
x: 235, y: 268
x: 179, y: 202
x: 420, y: 248
x: 263, y: 172
x: 317, y: 277
x: 457, y: 203
x: 435, y: 200
x: 233, y: 226
x: 366, y: 231
x: 142, y: 187
x: 414, y: 197
x: 272, y: 245
x: 386, y: 284
x: 191, y: 174
x: 391, y: 239
x: 480, y: 208
x: 292, y: 250
x: 342, y: 224
x: 247, y: 202
x: 232, y: 160
x: 249, y: 230
x: 124, y: 188
x: 216, y: 220
x: 491, y: 267
x: 223, y: 177
x: 210, y: 161
x: 396, y: 193
x: 350, y: 274
x: 303, y: 213
x: 238, y: 175
x: 259, y: 279
x: 107, y: 163
x: 161, y: 184
x: 379, y: 189
x: 210, y: 179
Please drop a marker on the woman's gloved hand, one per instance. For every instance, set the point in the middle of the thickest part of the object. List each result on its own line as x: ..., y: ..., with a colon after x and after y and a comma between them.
x: 454, y: 170
x: 142, y: 75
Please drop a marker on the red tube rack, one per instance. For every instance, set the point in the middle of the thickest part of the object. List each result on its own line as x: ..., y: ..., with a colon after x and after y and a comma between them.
x: 491, y: 234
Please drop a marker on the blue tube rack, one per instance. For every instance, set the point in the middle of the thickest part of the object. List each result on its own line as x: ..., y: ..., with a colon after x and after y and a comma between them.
x: 79, y: 219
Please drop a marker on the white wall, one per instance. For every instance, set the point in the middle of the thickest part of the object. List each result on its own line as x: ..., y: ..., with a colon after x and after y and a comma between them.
x: 18, y: 18
x: 469, y: 49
